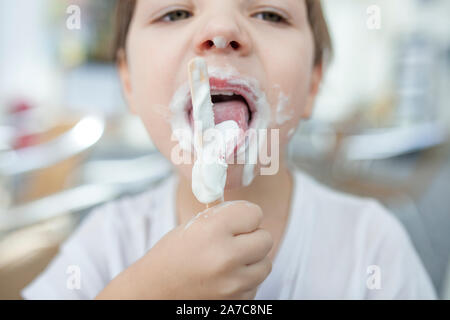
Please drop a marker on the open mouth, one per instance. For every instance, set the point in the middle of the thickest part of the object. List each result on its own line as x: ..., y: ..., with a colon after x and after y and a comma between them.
x: 229, y: 107
x: 230, y: 102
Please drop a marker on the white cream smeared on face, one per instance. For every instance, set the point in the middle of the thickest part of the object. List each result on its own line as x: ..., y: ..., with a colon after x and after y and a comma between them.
x: 180, y: 125
x: 283, y: 113
x: 220, y: 42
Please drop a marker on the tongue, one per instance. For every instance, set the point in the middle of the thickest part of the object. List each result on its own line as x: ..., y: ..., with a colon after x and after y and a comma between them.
x: 232, y: 110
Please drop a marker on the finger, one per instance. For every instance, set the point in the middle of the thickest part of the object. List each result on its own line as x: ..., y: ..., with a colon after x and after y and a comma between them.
x: 256, y: 273
x: 253, y: 247
x: 239, y: 216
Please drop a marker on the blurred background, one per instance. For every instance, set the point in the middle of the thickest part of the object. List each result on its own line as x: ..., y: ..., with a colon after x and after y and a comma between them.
x: 67, y: 142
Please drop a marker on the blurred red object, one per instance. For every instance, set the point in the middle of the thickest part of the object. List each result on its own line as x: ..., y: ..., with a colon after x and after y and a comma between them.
x: 20, y: 114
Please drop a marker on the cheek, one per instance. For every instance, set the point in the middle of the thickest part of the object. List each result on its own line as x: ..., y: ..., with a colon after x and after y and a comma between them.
x: 153, y: 71
x: 151, y: 95
x: 158, y: 129
x: 290, y: 79
x: 289, y: 98
x: 152, y: 108
x: 153, y: 65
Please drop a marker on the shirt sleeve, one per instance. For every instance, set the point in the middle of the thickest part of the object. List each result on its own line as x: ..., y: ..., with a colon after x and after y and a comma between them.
x: 397, y: 271
x: 80, y: 269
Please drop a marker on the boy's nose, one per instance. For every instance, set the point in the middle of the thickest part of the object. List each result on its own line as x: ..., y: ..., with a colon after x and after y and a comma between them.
x: 222, y: 33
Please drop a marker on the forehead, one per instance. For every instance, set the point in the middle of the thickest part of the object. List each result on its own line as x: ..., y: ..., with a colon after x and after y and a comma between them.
x: 241, y: 2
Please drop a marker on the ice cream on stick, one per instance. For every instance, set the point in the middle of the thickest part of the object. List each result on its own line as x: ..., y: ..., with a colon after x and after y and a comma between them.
x: 209, y: 173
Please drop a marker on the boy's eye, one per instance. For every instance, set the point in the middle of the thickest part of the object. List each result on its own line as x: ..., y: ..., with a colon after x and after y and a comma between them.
x: 271, y: 17
x: 183, y: 14
x: 176, y: 15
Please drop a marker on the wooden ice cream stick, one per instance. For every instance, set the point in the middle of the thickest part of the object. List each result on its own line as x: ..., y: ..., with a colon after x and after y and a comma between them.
x: 215, y: 203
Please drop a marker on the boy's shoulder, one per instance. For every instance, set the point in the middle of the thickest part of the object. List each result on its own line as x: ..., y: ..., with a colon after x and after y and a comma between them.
x: 343, y: 213
x: 351, y: 235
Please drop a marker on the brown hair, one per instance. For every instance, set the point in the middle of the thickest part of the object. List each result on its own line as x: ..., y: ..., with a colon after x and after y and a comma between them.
x: 322, y: 40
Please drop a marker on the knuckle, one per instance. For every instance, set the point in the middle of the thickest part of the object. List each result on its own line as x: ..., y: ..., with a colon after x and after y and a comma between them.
x: 266, y: 239
x: 251, y: 210
x: 268, y: 266
x: 257, y: 214
x: 265, y: 270
x: 269, y: 239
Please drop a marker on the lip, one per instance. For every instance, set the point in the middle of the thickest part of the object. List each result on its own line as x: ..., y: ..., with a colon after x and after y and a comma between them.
x: 235, y: 85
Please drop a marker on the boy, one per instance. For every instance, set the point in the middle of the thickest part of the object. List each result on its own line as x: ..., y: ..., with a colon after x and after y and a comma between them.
x: 278, y: 236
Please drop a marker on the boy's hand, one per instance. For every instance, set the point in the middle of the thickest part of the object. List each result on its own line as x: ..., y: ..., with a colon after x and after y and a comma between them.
x: 221, y: 254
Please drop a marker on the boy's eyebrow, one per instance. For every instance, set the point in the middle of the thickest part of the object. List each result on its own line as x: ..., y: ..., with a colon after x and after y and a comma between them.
x: 291, y: 4
x: 248, y: 2
x: 147, y: 4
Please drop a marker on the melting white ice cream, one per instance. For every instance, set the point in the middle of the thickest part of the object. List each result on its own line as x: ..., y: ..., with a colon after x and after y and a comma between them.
x: 211, y: 141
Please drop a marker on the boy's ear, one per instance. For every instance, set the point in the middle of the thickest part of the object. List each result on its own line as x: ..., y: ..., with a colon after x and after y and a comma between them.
x: 124, y: 74
x: 316, y: 80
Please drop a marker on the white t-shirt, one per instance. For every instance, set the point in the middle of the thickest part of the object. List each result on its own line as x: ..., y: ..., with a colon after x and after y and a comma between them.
x: 335, y: 246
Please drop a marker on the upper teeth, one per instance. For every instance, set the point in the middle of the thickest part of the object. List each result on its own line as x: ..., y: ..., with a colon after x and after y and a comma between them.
x: 225, y: 93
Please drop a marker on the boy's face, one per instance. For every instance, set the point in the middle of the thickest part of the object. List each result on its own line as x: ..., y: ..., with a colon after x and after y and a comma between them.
x: 267, y: 43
